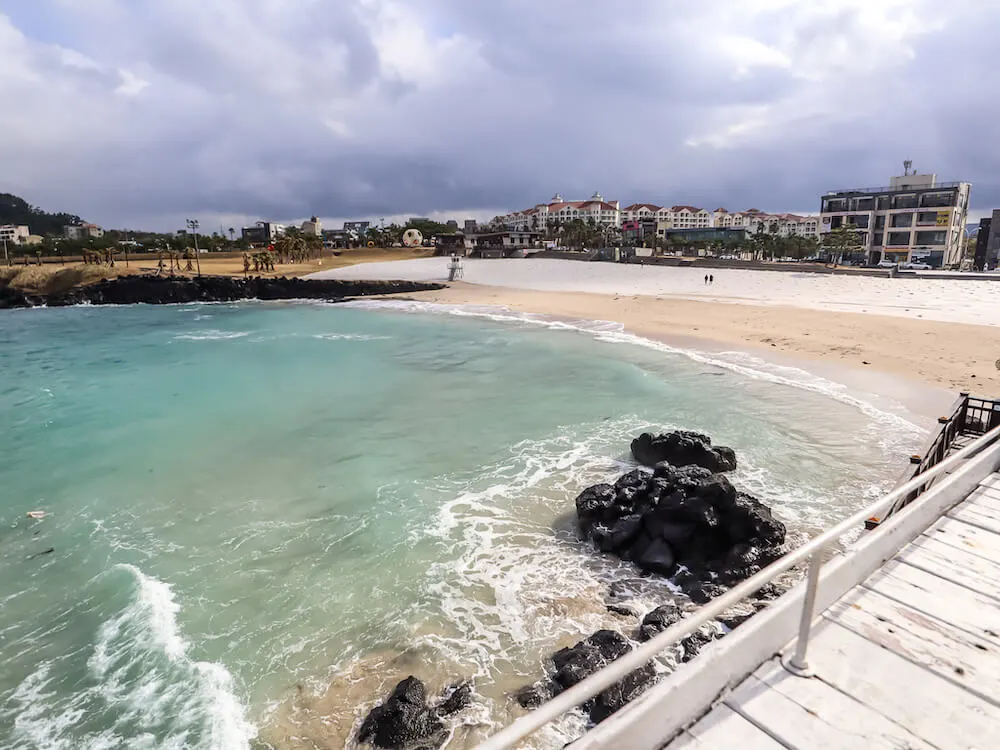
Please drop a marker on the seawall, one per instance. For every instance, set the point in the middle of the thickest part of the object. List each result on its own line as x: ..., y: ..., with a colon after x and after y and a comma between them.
x: 162, y: 290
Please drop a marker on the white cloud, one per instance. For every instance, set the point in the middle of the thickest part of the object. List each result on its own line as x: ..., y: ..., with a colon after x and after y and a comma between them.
x: 151, y: 110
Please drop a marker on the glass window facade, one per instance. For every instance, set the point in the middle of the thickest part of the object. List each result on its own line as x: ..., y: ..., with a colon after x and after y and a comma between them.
x: 901, y: 220
x: 898, y: 239
x: 932, y: 238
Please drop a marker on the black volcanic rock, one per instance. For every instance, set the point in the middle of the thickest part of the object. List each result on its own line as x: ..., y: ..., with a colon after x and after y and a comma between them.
x: 684, y: 516
x: 683, y: 448
x: 576, y: 663
x: 163, y: 290
x: 403, y: 720
x: 406, y: 722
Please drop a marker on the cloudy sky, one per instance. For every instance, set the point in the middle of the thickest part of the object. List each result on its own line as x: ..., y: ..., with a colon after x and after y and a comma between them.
x: 138, y: 113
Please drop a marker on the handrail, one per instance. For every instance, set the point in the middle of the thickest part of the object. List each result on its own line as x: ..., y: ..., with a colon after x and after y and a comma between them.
x: 620, y: 668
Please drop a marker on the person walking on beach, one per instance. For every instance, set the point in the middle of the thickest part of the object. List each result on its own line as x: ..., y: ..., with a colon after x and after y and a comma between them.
x: 711, y: 278
x: 706, y: 278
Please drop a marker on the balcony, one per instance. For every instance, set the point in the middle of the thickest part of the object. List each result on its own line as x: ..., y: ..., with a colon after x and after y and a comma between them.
x: 907, y: 189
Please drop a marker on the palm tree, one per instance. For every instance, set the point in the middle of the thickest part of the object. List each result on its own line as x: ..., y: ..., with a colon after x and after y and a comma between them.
x: 232, y: 234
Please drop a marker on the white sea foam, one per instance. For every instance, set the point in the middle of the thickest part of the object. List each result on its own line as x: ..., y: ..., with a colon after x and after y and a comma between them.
x: 145, y: 686
x: 349, y: 337
x: 211, y: 335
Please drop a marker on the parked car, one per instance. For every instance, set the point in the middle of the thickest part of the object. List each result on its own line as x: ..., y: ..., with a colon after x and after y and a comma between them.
x: 917, y: 267
x: 887, y: 264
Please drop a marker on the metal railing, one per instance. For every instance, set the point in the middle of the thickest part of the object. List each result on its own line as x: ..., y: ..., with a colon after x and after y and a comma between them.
x: 968, y: 416
x: 814, y: 551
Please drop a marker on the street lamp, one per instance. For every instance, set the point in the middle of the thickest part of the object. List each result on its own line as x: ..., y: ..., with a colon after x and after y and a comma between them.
x: 193, y: 226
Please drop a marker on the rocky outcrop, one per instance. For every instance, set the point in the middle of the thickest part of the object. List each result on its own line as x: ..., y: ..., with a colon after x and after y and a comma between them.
x: 576, y: 663
x: 684, y: 516
x: 163, y: 290
x: 405, y: 721
x: 683, y: 448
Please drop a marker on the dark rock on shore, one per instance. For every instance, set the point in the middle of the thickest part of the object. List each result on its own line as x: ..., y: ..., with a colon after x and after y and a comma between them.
x: 576, y: 663
x: 683, y: 448
x: 682, y: 516
x: 163, y: 290
x: 405, y: 721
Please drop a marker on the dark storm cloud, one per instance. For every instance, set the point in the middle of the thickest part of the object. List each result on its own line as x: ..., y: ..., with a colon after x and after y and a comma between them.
x: 254, y: 108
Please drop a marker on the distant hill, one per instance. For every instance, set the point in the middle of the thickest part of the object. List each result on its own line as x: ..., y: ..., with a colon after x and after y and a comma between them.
x: 16, y: 210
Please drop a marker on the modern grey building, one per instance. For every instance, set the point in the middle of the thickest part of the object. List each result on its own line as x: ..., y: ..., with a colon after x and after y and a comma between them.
x: 913, y: 219
x: 988, y: 243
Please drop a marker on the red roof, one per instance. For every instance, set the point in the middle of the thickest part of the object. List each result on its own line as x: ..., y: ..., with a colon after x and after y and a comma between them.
x: 692, y: 209
x: 721, y: 211
x: 637, y: 206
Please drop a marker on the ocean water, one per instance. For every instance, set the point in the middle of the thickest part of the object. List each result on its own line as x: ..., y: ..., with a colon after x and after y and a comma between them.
x: 260, y: 516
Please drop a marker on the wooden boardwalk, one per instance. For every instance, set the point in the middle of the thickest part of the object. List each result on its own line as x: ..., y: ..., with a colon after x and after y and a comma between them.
x: 907, y: 660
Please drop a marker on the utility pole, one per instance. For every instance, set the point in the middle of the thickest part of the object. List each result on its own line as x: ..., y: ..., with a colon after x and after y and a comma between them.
x: 193, y: 226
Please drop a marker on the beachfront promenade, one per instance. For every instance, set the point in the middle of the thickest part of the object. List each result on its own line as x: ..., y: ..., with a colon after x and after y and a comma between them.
x: 890, y: 642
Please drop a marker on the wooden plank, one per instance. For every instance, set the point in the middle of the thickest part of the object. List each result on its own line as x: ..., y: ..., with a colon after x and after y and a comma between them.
x: 992, y: 481
x: 966, y: 537
x: 972, y: 663
x: 939, y: 712
x: 959, y: 606
x: 724, y: 729
x: 986, y: 497
x: 809, y: 714
x: 955, y: 564
x: 978, y: 515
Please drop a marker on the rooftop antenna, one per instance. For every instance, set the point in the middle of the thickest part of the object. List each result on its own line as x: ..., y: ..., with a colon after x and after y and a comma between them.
x: 907, y: 166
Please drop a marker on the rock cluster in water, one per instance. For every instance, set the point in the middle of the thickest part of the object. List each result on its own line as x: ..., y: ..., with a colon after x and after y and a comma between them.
x: 682, y: 516
x: 576, y: 663
x: 683, y: 448
x: 406, y: 720
x: 162, y: 290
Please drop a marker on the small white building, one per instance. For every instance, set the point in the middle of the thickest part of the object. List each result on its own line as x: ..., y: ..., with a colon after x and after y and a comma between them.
x: 14, y: 234
x: 312, y: 227
x: 82, y: 231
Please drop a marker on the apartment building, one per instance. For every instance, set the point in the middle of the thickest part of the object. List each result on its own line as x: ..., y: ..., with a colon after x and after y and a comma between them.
x: 754, y: 221
x: 678, y: 217
x: 603, y: 212
x: 913, y: 219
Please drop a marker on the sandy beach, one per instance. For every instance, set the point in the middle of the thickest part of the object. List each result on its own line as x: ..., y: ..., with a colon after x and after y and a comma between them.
x: 937, y: 333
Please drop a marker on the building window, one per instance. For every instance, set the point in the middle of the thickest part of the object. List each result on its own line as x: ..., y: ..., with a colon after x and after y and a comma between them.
x: 877, y: 239
x: 899, y: 239
x: 901, y: 220
x: 904, y: 201
x: 927, y: 217
x: 932, y: 238
x: 882, y: 203
x: 880, y: 222
x: 832, y: 205
x: 864, y: 204
x: 937, y: 200
x: 861, y: 222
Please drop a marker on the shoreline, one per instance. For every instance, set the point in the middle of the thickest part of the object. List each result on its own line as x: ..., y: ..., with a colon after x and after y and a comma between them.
x: 908, y: 359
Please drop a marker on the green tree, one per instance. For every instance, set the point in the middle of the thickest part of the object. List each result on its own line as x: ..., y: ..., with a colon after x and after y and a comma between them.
x: 841, y: 241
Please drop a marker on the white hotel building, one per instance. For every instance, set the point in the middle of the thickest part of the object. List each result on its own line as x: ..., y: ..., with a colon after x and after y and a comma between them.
x: 753, y: 221
x: 606, y: 213
x: 609, y: 213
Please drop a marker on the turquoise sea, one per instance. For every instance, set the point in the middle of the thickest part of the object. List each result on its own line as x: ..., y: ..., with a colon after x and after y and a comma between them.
x: 261, y: 516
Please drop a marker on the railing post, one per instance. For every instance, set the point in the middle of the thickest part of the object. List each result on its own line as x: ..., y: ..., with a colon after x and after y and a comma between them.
x: 798, y: 664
